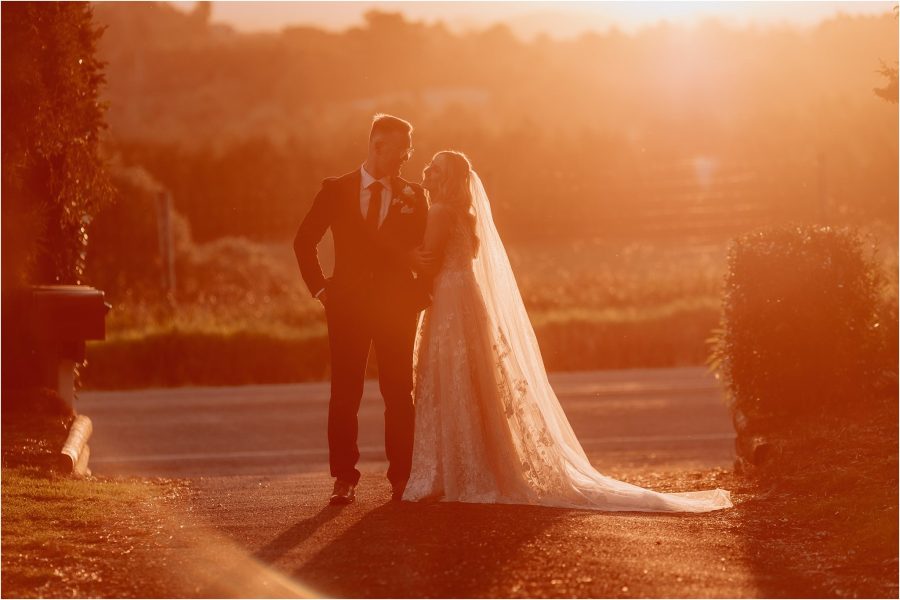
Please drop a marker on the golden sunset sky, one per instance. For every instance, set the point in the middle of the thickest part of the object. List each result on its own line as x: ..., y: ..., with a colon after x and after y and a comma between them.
x: 557, y: 19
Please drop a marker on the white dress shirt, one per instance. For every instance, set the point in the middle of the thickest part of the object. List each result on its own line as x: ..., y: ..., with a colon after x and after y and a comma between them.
x: 365, y: 194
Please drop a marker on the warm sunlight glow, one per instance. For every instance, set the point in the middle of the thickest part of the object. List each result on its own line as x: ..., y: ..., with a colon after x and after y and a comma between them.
x: 558, y: 19
x: 383, y: 299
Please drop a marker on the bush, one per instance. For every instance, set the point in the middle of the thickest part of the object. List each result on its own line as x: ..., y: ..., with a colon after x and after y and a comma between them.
x: 124, y: 254
x: 126, y: 260
x: 806, y: 327
x: 236, y: 270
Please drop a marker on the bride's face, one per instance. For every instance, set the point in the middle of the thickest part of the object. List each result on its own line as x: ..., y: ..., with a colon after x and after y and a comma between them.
x: 434, y: 173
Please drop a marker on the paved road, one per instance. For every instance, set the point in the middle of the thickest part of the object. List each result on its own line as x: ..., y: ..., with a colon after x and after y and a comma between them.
x: 253, y: 520
x: 666, y: 418
x: 257, y: 524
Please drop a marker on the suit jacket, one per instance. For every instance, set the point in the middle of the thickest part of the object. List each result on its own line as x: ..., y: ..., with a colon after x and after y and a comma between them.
x: 367, y: 266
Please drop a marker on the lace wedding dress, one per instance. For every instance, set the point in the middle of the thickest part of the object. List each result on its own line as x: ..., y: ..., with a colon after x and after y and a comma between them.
x: 489, y: 428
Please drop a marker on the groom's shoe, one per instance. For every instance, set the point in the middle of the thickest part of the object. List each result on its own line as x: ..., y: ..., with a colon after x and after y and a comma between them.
x: 397, y: 492
x: 344, y: 492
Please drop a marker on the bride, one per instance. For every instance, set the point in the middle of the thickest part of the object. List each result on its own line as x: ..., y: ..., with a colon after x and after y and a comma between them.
x: 489, y: 428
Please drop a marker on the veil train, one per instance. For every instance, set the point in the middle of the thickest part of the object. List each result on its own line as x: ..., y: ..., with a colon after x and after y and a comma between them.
x: 554, y: 460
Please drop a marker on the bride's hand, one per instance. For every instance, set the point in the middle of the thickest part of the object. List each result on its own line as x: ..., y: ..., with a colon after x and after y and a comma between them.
x: 421, y: 260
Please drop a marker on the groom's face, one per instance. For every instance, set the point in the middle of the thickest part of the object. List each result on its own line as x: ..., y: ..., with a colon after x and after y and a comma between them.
x: 388, y: 151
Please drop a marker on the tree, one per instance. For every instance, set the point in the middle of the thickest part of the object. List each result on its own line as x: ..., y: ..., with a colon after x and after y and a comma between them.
x: 889, y: 91
x: 53, y: 177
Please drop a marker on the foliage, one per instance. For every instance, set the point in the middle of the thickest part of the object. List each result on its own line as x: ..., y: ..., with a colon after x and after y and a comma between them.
x: 255, y: 183
x: 125, y: 260
x: 666, y: 131
x: 889, y: 91
x: 806, y: 329
x: 184, y: 357
x: 594, y: 305
x: 53, y: 176
x: 610, y: 145
x: 124, y: 253
x: 187, y: 354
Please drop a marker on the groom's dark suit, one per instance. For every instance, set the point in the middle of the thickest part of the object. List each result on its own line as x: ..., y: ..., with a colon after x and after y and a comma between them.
x: 373, y: 297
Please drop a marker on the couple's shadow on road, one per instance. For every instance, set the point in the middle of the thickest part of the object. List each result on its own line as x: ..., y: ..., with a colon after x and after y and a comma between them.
x: 297, y: 534
x: 403, y: 549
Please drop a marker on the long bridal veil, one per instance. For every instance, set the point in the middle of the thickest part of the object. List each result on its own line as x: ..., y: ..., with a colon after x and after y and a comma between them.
x: 552, y: 459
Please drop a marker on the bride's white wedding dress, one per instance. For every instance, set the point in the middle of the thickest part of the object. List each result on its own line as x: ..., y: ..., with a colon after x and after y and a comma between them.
x: 489, y: 428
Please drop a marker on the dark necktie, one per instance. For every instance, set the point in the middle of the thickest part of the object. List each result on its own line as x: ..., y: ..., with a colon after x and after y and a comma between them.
x: 374, y: 213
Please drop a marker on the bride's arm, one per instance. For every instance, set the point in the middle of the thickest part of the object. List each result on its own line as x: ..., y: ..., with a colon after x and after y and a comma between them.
x: 428, y: 257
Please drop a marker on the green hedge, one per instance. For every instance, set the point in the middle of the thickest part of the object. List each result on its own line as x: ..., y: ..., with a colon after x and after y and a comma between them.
x: 177, y: 357
x: 807, y: 328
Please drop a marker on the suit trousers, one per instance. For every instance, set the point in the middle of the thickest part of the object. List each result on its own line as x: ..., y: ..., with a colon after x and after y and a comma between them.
x: 353, y: 327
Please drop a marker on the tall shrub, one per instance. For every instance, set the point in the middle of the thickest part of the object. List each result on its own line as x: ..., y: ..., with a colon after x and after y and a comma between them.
x: 805, y: 328
x: 53, y: 177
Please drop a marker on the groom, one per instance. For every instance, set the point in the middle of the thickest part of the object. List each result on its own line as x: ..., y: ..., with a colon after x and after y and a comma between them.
x: 377, y: 219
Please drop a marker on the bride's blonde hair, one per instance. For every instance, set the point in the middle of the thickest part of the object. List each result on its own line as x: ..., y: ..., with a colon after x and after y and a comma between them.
x: 454, y: 188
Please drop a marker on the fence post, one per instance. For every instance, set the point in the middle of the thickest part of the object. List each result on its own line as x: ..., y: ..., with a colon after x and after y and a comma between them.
x: 166, y: 246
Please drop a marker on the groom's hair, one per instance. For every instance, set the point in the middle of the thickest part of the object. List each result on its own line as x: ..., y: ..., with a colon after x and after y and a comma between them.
x: 382, y: 123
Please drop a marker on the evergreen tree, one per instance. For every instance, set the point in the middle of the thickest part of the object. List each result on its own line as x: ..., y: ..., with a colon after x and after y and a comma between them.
x: 53, y: 177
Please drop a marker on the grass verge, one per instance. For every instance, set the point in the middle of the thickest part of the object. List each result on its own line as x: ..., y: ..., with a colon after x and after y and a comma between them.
x: 80, y: 538
x: 69, y: 537
x: 824, y: 513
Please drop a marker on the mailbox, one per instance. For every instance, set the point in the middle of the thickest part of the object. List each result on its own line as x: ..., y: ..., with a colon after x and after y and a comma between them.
x: 65, y: 316
x: 45, y: 329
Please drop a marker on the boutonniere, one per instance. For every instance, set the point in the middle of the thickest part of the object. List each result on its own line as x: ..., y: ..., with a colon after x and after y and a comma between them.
x: 406, y: 200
